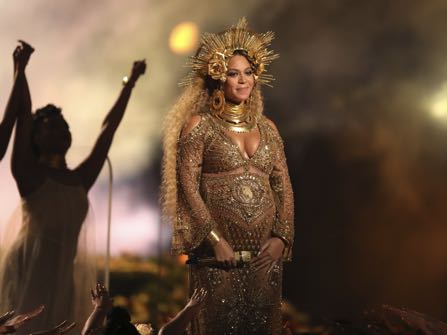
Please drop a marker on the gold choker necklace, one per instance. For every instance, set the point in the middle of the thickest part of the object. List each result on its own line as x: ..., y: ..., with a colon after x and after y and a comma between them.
x: 236, y: 118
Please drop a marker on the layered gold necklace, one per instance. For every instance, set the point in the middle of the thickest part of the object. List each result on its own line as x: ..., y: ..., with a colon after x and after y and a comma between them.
x: 236, y: 118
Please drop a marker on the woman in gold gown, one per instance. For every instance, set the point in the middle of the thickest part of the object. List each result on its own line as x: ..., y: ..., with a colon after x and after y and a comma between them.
x: 226, y: 188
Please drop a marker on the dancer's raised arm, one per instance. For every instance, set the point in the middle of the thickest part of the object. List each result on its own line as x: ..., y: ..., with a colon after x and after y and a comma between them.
x: 90, y: 168
x: 24, y: 164
x: 20, y: 57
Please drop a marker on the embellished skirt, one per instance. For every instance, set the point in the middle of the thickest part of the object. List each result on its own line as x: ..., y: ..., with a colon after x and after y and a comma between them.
x: 240, y: 300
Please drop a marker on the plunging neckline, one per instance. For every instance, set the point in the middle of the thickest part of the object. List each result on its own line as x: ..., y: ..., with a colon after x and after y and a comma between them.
x: 237, y: 148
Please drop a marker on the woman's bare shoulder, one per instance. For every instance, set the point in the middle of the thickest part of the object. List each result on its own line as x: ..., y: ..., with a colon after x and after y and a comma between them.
x: 191, y: 125
x: 271, y: 124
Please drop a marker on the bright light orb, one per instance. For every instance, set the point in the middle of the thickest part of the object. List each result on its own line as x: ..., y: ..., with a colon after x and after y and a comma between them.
x: 184, y: 38
x: 438, y: 105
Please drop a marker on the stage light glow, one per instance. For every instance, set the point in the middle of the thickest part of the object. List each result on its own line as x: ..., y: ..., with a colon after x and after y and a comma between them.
x: 184, y: 38
x: 438, y: 107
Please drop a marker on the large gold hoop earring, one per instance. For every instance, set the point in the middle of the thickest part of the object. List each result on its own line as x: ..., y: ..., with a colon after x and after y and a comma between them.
x: 217, y: 101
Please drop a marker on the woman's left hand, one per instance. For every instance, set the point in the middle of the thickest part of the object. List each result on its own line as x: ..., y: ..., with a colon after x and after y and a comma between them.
x: 270, y: 252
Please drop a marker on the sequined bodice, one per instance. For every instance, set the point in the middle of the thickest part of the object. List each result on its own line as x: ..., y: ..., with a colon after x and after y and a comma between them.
x: 246, y: 199
x: 222, y: 155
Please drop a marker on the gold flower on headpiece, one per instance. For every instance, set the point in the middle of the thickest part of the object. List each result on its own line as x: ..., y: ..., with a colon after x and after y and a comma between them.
x: 217, y: 49
x: 217, y: 67
x: 259, y: 68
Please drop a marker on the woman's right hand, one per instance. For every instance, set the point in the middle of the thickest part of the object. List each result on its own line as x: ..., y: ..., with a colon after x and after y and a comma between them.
x: 224, y: 254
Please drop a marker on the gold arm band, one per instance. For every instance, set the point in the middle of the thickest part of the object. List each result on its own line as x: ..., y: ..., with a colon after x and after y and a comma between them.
x: 213, y: 237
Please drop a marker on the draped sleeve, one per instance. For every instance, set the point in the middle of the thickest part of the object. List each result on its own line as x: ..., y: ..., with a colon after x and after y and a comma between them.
x: 193, y: 222
x: 283, y: 225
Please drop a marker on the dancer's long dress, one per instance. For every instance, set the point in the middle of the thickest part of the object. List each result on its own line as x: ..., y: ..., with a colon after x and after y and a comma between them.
x: 247, y: 201
x: 41, y: 266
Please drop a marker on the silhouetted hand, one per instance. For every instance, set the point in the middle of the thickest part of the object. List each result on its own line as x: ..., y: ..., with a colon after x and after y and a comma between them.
x: 197, y: 299
x: 62, y: 328
x: 270, y: 252
x: 138, y: 69
x: 101, y: 298
x: 10, y: 323
x: 20, y: 319
x: 5, y: 317
x: 21, y: 55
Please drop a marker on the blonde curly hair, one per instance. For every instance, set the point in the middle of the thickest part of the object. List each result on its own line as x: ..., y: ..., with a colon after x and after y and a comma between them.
x: 194, y: 100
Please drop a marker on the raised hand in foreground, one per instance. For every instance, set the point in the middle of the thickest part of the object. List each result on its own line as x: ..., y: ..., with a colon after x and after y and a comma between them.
x: 102, y: 305
x: 10, y: 323
x: 179, y: 323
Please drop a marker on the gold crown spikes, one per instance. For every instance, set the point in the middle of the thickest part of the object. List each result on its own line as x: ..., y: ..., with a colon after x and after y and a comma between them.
x: 217, y: 49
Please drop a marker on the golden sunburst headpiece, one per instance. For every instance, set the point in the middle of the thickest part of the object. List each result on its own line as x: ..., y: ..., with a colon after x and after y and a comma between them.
x: 216, y: 50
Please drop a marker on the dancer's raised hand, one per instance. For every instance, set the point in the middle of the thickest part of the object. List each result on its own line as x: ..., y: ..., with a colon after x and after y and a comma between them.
x: 21, y: 55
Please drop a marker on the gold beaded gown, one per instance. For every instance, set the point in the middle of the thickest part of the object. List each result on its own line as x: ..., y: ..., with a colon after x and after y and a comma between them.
x: 248, y: 200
